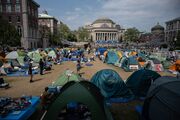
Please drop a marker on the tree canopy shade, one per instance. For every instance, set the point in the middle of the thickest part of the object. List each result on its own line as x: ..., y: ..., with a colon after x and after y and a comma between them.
x: 132, y: 34
x: 8, y: 34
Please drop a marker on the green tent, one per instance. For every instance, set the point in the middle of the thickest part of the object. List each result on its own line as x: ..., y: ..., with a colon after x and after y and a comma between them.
x: 82, y: 92
x: 35, y: 56
x: 52, y: 54
x: 63, y: 79
x: 140, y: 81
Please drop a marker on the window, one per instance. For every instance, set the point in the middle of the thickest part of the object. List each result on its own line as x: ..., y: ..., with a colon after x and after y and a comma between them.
x: 18, y: 19
x: 17, y: 1
x: 17, y: 8
x: 8, y: 1
x: 31, y: 45
x: 10, y: 19
x: 1, y: 8
x: 8, y: 8
x: 19, y: 30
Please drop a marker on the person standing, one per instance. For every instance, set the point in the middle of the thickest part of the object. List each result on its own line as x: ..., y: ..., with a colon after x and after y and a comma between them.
x: 30, y: 72
x: 78, y: 66
x: 41, y: 66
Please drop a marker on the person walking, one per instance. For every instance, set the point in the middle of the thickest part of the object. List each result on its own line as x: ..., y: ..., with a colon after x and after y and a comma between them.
x: 41, y: 66
x: 30, y: 72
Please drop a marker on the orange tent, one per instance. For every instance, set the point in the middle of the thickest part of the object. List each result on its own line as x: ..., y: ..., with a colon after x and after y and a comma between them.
x: 175, y: 66
x: 105, y: 53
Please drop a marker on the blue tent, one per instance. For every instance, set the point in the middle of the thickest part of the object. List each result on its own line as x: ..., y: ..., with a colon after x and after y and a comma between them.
x: 111, y: 84
x: 128, y: 63
x: 112, y: 57
x: 102, y: 50
x: 140, y: 81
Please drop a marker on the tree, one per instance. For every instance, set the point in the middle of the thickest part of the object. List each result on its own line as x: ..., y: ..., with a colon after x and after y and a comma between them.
x: 63, y: 31
x: 82, y: 34
x: 8, y: 34
x: 72, y: 37
x: 132, y: 34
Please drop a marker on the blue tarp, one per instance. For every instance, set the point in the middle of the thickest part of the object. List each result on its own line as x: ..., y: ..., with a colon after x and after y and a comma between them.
x: 111, y: 84
x: 24, y: 114
x: 21, y: 73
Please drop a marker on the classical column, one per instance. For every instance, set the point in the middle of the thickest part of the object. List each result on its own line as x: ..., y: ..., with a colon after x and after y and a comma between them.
x: 103, y: 37
x: 96, y: 36
x: 108, y: 36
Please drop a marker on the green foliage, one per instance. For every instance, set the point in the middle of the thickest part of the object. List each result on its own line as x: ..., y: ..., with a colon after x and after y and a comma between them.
x: 8, y: 34
x: 72, y: 37
x: 132, y: 34
x: 83, y: 34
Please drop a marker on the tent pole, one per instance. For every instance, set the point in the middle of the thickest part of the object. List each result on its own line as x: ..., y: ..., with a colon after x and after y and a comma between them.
x: 43, y: 115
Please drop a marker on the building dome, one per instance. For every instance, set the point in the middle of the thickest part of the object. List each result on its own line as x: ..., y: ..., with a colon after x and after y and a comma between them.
x: 103, y: 20
x: 157, y: 27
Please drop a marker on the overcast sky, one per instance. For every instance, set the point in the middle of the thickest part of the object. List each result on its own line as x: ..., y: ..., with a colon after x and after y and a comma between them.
x: 142, y: 14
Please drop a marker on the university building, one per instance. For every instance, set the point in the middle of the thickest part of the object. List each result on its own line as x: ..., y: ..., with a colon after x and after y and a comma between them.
x: 172, y: 28
x: 23, y: 14
x: 50, y: 22
x: 104, y: 29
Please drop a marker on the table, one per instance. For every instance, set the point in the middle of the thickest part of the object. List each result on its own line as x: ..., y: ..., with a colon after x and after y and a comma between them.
x: 24, y: 114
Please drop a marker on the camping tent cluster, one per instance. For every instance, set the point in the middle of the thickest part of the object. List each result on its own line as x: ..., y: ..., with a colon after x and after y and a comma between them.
x: 16, y: 63
x: 106, y: 86
x: 131, y: 60
x: 112, y: 86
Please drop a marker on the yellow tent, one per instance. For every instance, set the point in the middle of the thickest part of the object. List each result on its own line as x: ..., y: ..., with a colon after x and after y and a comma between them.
x: 119, y: 54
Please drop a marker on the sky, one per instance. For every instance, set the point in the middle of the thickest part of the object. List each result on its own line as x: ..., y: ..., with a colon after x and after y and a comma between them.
x: 142, y: 14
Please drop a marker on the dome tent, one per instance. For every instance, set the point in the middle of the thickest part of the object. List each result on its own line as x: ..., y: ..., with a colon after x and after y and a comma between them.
x: 83, y: 92
x: 162, y: 102
x: 112, y: 57
x: 129, y: 64
x: 140, y: 81
x: 63, y: 79
x: 111, y: 84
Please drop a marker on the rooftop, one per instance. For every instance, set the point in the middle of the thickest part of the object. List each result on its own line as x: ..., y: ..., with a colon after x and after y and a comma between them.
x: 103, y: 20
x: 176, y: 19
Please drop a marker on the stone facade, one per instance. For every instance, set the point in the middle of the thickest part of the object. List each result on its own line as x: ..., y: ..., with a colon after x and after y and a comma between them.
x: 51, y: 23
x: 105, y: 29
x: 23, y: 14
x: 172, y: 28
